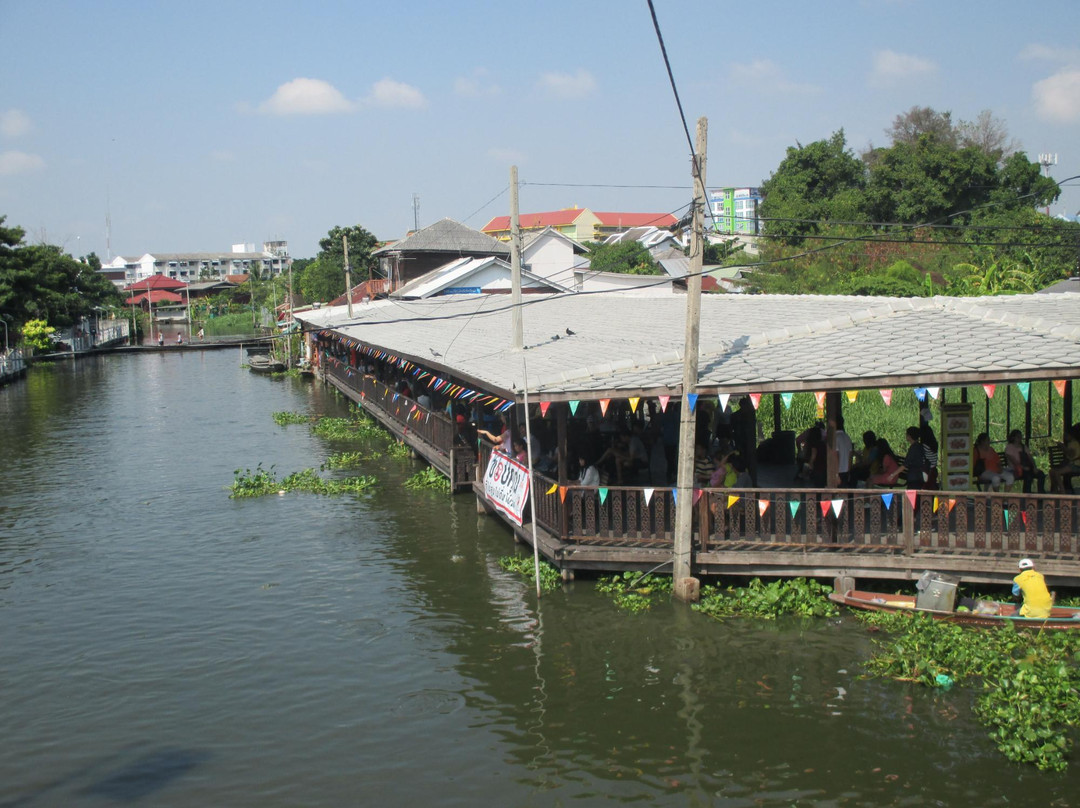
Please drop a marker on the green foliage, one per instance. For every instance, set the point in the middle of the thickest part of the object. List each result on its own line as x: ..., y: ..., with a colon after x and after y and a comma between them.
x: 324, y: 278
x: 800, y: 597
x: 626, y: 257
x: 1029, y: 682
x: 248, y: 483
x: 399, y: 450
x: 37, y: 334
x: 349, y: 460
x: 429, y: 478
x: 550, y: 579
x: 359, y: 426
x: 238, y: 322
x: 286, y: 418
x: 634, y: 592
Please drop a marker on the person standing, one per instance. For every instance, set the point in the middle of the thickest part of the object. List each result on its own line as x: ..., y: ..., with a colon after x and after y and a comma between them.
x: 1032, y: 586
x: 915, y: 459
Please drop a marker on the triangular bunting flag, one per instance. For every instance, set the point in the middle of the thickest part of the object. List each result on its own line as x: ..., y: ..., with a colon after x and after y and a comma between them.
x: 786, y: 398
x: 911, y: 495
x: 675, y: 495
x: 1006, y: 519
x: 723, y: 399
x: 553, y: 489
x: 762, y: 506
x: 920, y: 393
x: 604, y: 405
x: 663, y: 403
x: 837, y: 506
x: 952, y: 504
x: 396, y: 396
x: 819, y: 396
x: 851, y: 395
x: 697, y: 495
x: 633, y: 403
x: 793, y: 506
x: 886, y: 396
x: 648, y: 494
x: 825, y: 505
x: 936, y: 503
x: 1025, y: 389
x: 562, y: 493
x: 933, y: 391
x: 603, y: 495
x: 731, y: 499
x: 755, y: 399
x: 573, y: 407
x: 887, y: 499
x: 544, y: 405
x: 691, y: 399
x: 1059, y: 385
x: 1023, y: 515
x: 989, y: 388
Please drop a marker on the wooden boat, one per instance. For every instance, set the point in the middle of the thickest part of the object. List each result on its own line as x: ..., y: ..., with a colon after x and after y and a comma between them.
x: 264, y: 363
x: 989, y: 612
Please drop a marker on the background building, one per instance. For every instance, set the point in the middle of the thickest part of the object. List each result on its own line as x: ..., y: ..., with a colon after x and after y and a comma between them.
x: 735, y: 210
x: 273, y: 259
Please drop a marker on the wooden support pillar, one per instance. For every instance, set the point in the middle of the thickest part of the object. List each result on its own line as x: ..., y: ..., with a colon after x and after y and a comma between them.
x: 1067, y: 406
x: 832, y: 412
x: 563, y: 456
x: 776, y: 414
x: 1027, y: 418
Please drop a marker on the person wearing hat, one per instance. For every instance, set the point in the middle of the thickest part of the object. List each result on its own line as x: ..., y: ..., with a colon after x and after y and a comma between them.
x: 1031, y: 584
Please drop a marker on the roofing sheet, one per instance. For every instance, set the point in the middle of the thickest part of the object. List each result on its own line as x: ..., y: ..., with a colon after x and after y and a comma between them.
x: 586, y: 345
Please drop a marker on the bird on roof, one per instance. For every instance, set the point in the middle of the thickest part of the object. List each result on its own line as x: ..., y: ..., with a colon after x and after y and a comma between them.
x: 570, y: 333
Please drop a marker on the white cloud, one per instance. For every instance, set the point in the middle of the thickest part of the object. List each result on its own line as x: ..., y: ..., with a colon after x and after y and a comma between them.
x: 1050, y: 53
x: 14, y: 123
x: 764, y: 75
x: 565, y: 85
x: 306, y: 97
x: 477, y: 85
x: 17, y: 162
x: 891, y: 67
x: 390, y: 93
x: 1057, y: 98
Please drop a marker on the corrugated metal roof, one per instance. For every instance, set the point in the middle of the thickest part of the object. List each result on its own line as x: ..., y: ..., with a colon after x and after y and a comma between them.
x: 630, y: 344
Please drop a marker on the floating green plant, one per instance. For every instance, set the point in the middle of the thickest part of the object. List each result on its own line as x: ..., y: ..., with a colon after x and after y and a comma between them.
x: 634, y: 592
x: 1029, y: 681
x: 399, y: 450
x: 349, y: 460
x: 357, y: 427
x: 286, y: 418
x: 429, y: 478
x: 550, y: 579
x: 258, y: 483
x: 801, y: 597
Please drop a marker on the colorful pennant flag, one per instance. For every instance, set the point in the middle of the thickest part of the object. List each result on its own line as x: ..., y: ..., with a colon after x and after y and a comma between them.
x: 936, y: 503
x: 851, y: 395
x: 933, y: 391
x: 762, y: 506
x: 786, y: 398
x: 1023, y: 515
x: 573, y: 407
x: 691, y: 399
x: 604, y: 405
x: 911, y: 495
x: 697, y: 495
x: 793, y: 506
x: 648, y: 494
x: 819, y: 396
x: 722, y: 399
x: 825, y: 505
x: 886, y: 396
x: 1006, y: 519
x: 634, y: 402
x: 989, y: 388
x: 837, y: 506
x: 887, y: 499
x: 553, y: 489
x: 544, y: 405
x: 1025, y: 389
x: 1059, y: 385
x: 952, y: 504
x: 603, y: 495
x: 562, y: 493
x: 920, y: 393
x: 663, y: 403
x: 732, y: 499
x: 755, y: 399
x: 675, y: 495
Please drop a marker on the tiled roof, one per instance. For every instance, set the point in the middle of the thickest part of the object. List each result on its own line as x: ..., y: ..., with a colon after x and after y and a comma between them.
x: 608, y: 219
x: 532, y: 221
x: 626, y: 344
x: 447, y: 236
x: 155, y: 282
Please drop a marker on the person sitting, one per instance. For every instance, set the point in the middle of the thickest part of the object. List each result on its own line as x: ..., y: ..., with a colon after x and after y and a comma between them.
x: 889, y: 465
x: 989, y: 471
x: 1031, y: 585
x: 867, y: 461
x: 1022, y: 463
x: 1071, y: 466
x: 704, y: 466
x: 588, y: 474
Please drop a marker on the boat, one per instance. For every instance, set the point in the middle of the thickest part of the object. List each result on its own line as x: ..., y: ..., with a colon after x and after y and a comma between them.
x: 264, y: 363
x: 986, y: 613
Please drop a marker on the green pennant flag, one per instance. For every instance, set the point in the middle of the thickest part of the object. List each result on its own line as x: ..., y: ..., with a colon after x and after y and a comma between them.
x: 1025, y: 389
x: 1006, y: 519
x: 793, y: 505
x: 573, y: 407
x: 786, y: 398
x: 603, y: 495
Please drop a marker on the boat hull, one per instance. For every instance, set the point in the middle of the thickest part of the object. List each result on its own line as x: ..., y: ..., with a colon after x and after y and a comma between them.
x: 1061, y: 618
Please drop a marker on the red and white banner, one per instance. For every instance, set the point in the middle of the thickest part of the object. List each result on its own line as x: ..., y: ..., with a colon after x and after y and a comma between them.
x: 506, y: 485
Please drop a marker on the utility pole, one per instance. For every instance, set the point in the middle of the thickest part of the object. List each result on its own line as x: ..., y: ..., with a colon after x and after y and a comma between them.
x: 515, y: 265
x: 1047, y: 160
x: 348, y: 275
x: 686, y: 587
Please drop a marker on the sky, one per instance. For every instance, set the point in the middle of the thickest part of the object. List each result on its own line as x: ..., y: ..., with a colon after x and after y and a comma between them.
x: 192, y: 126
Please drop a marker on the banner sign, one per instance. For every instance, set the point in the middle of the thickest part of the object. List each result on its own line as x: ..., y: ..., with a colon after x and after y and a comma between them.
x: 506, y: 485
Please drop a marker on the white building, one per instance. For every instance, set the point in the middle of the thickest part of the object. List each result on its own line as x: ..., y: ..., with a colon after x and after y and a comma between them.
x: 273, y: 259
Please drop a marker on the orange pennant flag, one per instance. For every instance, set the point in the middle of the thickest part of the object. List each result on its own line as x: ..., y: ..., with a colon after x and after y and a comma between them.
x: 755, y: 399
x: 604, y: 405
x: 820, y: 396
x: 1059, y: 385
x: 952, y: 503
x: 989, y: 388
x: 562, y: 493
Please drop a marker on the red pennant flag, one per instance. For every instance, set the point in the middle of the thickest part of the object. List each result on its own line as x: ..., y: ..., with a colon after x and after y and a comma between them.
x: 1059, y: 385
x: 755, y: 399
x: 911, y: 496
x: 544, y: 408
x: 825, y: 504
x: 1023, y: 515
x: 989, y: 388
x: 663, y: 403
x: 886, y: 396
x: 697, y: 495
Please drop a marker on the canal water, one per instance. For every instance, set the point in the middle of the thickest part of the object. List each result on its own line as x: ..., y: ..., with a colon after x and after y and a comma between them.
x: 163, y: 645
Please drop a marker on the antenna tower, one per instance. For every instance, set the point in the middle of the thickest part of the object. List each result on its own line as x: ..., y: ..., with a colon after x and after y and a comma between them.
x: 1047, y: 160
x: 416, y: 211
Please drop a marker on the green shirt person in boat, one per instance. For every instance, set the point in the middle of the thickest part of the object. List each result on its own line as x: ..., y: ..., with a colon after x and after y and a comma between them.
x: 1031, y: 584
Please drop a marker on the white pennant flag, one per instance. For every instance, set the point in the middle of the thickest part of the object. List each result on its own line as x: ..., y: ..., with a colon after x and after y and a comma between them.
x: 648, y: 494
x: 837, y: 505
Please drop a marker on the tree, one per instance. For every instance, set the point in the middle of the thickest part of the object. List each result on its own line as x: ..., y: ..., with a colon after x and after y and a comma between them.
x: 989, y: 134
x: 627, y: 257
x: 821, y: 181
x: 908, y: 127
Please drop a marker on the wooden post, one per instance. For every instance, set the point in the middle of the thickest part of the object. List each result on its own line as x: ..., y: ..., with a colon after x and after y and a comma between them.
x: 909, y: 524
x: 686, y: 587
x: 517, y: 337
x: 348, y: 275
x: 563, y: 456
x: 832, y: 461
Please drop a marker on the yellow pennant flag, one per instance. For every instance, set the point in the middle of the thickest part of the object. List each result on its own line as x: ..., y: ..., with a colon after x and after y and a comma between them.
x: 851, y: 395
x: 553, y: 489
x: 633, y: 403
x: 731, y: 500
